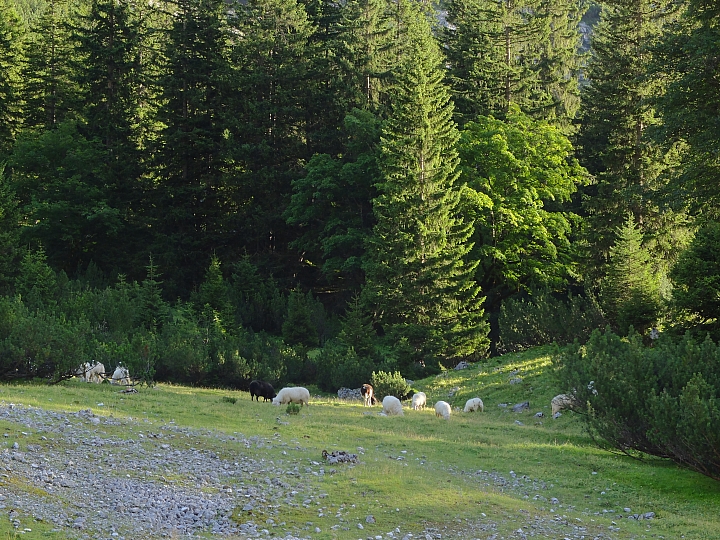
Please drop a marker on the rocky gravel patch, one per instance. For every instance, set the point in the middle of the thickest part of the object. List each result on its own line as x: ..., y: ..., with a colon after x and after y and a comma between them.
x: 98, y: 477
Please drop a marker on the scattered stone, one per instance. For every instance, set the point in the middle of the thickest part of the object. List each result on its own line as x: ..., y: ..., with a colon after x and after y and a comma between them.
x: 525, y: 405
x: 349, y: 393
x: 462, y: 365
x: 370, y: 519
x: 516, y: 380
x: 539, y: 415
x: 339, y: 456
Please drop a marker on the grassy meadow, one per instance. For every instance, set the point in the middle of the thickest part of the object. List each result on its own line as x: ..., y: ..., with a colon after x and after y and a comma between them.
x: 496, y: 469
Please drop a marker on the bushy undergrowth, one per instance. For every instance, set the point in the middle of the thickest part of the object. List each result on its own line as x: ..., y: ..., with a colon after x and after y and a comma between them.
x: 542, y: 319
x: 389, y: 384
x: 663, y: 400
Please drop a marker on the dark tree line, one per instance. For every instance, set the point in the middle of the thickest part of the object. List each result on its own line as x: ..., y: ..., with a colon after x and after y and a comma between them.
x: 372, y: 178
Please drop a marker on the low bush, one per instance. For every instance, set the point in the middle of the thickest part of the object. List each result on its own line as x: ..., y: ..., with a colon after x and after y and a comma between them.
x: 663, y: 400
x: 389, y: 384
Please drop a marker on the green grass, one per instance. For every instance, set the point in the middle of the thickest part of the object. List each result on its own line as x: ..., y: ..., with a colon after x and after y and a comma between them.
x: 418, y: 470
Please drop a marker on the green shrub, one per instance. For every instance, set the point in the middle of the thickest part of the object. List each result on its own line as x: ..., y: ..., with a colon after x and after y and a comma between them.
x: 663, y: 400
x: 292, y: 408
x: 389, y: 384
x: 228, y: 399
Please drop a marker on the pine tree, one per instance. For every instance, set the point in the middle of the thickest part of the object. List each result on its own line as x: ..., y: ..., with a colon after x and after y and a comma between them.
x: 419, y: 286
x: 49, y: 91
x: 11, y: 59
x: 617, y: 115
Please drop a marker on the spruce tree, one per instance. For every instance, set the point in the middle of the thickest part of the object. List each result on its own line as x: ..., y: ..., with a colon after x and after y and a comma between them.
x: 684, y: 57
x: 49, y: 93
x: 9, y: 232
x: 419, y: 287
x: 521, y: 52
x: 270, y: 53
x: 614, y: 138
x: 11, y: 59
x: 190, y: 161
x: 630, y: 293
x: 108, y: 71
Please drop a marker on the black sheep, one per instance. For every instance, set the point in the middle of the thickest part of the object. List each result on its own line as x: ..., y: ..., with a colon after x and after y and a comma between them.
x: 261, y: 389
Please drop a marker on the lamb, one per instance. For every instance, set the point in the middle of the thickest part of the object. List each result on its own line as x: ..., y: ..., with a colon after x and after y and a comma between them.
x: 392, y: 406
x: 563, y: 401
x: 261, y: 389
x: 473, y: 405
x: 442, y: 410
x: 419, y: 400
x: 368, y: 394
x: 293, y: 394
x: 121, y: 376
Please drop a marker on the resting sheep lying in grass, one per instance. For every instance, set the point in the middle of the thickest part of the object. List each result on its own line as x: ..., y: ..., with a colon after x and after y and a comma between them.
x: 392, y: 406
x: 563, y: 401
x: 443, y: 409
x: 419, y: 401
x: 473, y: 405
x: 293, y: 394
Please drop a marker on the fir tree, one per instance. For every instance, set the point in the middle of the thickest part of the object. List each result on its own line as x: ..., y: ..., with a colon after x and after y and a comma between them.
x: 419, y: 286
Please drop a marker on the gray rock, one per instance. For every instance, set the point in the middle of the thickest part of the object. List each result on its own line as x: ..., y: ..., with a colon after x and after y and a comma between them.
x: 518, y: 407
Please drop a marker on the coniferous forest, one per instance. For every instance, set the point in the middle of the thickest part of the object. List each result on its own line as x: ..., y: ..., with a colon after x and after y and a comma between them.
x: 311, y: 191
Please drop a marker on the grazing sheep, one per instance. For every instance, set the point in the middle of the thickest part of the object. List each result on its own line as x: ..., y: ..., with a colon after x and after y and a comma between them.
x: 419, y: 400
x: 261, y: 389
x: 563, y: 401
x: 392, y: 406
x: 473, y: 405
x: 443, y: 409
x: 293, y: 394
x: 121, y: 376
x: 368, y: 394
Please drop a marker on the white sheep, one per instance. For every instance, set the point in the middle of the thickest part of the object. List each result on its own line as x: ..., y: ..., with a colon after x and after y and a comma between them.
x: 473, y: 405
x: 563, y: 401
x: 293, y: 394
x: 392, y: 406
x: 419, y: 400
x: 121, y: 375
x: 443, y: 409
x: 96, y: 373
x: 82, y: 371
